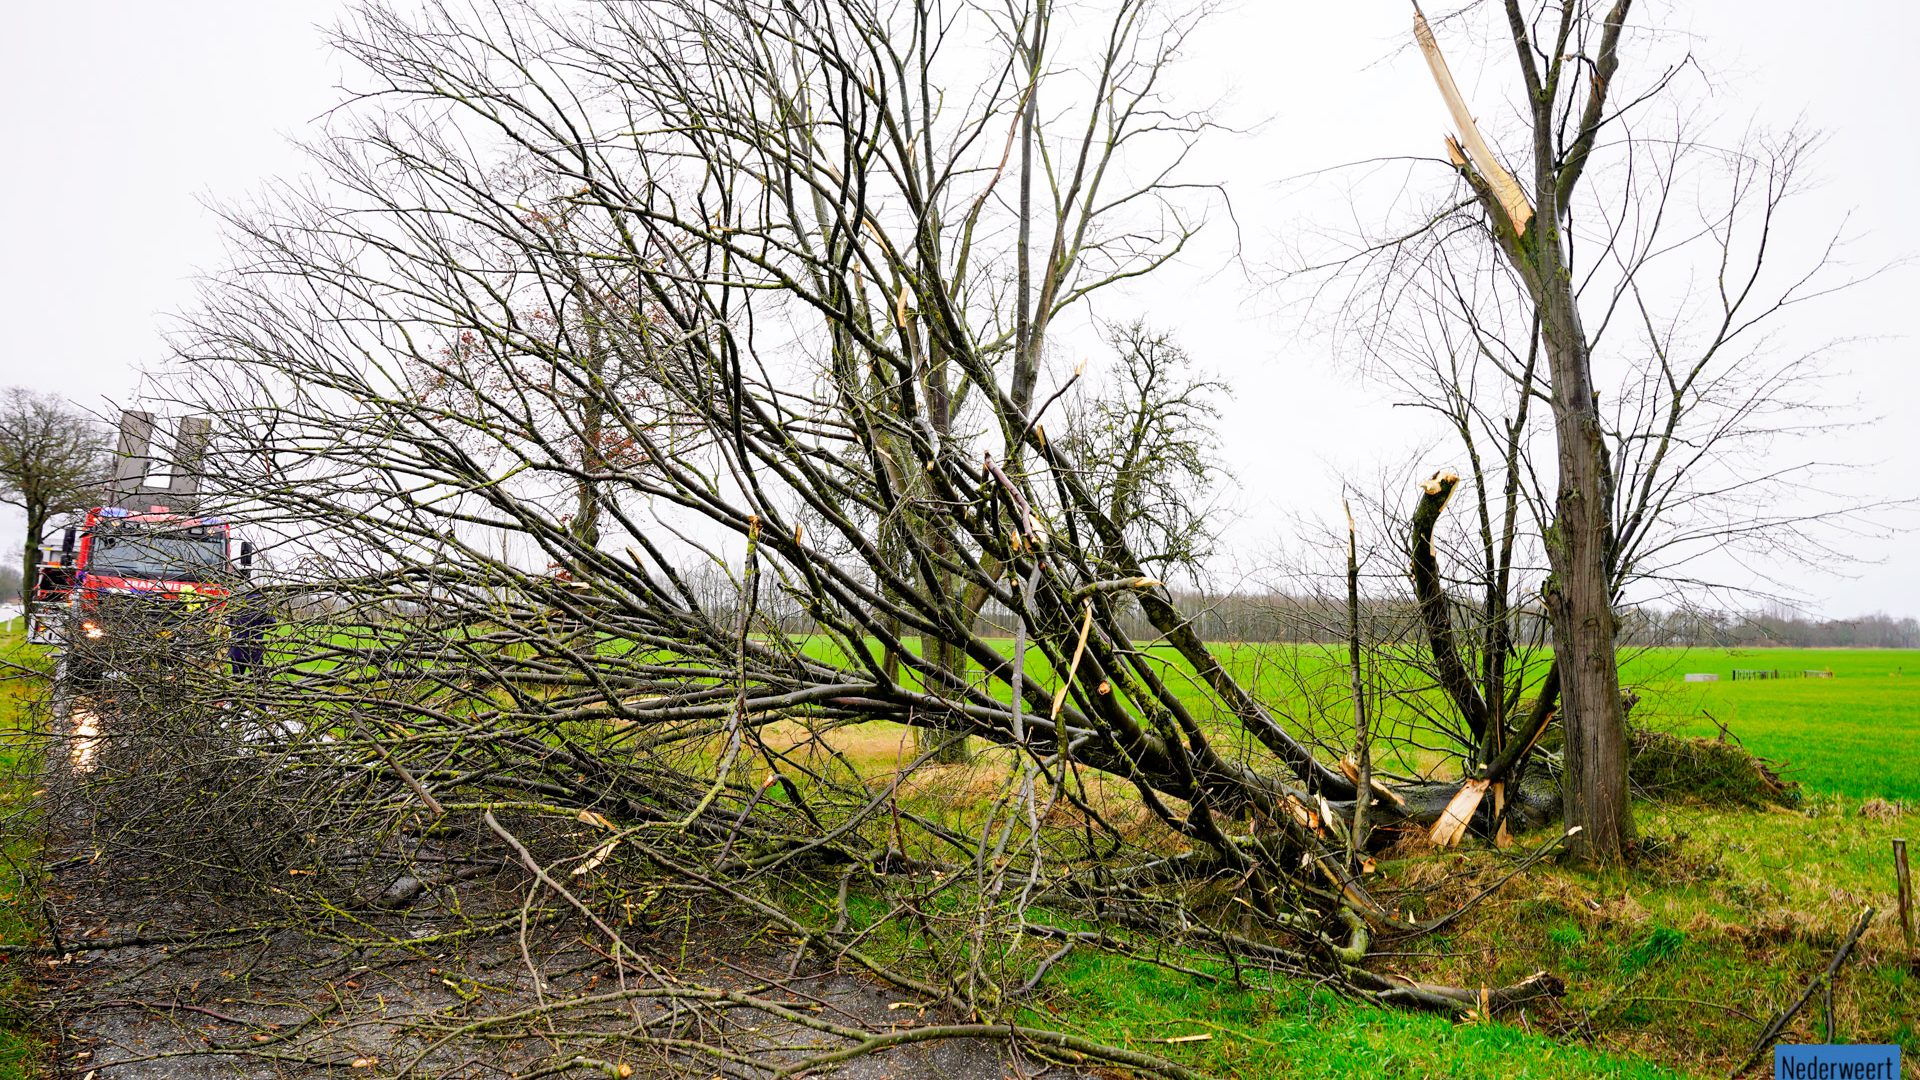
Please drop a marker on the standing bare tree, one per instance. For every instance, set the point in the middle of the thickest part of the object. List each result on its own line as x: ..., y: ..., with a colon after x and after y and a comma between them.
x: 53, y: 458
x: 1654, y: 254
x: 1568, y: 55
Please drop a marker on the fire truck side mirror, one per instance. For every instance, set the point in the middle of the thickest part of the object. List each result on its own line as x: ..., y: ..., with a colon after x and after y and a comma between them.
x: 67, y: 540
x: 246, y: 555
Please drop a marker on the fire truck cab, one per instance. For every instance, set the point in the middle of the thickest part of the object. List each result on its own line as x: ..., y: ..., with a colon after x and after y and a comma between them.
x: 116, y: 572
x: 121, y: 588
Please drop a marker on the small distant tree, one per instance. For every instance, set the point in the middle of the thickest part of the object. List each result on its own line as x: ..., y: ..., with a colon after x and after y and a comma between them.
x: 53, y: 459
x: 1148, y: 450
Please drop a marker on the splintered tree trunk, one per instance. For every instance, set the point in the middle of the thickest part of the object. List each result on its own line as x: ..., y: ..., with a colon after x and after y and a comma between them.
x: 1579, y: 598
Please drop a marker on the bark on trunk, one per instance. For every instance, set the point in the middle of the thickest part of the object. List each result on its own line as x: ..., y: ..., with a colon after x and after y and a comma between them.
x: 945, y: 745
x: 1579, y: 593
x: 30, y: 559
x: 1435, y: 615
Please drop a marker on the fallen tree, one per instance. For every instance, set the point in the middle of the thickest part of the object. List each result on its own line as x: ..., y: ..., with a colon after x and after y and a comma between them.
x: 648, y: 411
x: 610, y: 352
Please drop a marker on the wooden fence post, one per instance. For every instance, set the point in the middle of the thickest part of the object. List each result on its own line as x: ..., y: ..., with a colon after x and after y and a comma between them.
x: 1905, y: 881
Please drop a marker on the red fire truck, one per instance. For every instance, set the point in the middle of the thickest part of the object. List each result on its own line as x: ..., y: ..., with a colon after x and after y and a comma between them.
x: 118, y: 576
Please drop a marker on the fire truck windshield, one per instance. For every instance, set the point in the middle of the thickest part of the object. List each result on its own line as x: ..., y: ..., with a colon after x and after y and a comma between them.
x: 161, y: 556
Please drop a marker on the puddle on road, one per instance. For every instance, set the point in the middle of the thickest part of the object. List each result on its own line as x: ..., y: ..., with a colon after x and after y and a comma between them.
x: 84, y: 742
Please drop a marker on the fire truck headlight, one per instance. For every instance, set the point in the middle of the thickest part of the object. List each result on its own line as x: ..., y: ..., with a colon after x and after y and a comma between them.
x: 93, y: 631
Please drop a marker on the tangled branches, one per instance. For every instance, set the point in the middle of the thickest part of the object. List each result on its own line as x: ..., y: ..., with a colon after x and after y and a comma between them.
x: 643, y: 424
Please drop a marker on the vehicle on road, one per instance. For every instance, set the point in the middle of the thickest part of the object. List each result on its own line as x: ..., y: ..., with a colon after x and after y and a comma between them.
x: 122, y: 583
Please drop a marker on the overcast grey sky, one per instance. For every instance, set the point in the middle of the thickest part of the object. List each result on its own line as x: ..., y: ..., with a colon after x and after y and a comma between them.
x: 120, y: 119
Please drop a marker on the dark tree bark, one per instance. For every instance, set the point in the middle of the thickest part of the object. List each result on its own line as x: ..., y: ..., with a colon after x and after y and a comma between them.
x: 1435, y: 614
x: 1579, y: 595
x: 37, y: 515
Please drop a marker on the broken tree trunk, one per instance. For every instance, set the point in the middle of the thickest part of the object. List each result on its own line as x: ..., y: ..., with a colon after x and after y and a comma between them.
x: 1578, y: 593
x: 1435, y: 615
x: 1532, y: 804
x: 1484, y: 1002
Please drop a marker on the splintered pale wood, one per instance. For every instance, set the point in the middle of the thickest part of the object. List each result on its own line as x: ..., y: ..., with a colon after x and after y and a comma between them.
x: 1505, y: 187
x: 1352, y: 770
x: 1453, y: 821
x: 1502, y: 838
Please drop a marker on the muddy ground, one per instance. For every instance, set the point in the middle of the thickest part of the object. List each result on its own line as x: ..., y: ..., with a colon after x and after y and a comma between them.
x: 194, y: 993
x: 169, y: 975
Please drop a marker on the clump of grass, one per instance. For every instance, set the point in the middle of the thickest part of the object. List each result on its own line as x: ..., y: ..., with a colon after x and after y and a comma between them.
x: 1660, y: 943
x: 1705, y: 772
x: 1880, y: 810
x: 1566, y: 937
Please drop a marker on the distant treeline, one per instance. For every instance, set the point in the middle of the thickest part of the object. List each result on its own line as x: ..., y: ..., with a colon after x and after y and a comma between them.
x: 1757, y: 629
x: 1282, y: 617
x: 1288, y: 618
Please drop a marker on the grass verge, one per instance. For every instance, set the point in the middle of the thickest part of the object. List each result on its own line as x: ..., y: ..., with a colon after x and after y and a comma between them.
x: 22, y: 1050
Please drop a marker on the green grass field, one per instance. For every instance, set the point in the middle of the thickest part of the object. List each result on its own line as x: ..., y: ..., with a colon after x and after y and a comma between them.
x: 1856, y: 734
x: 1671, y: 964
